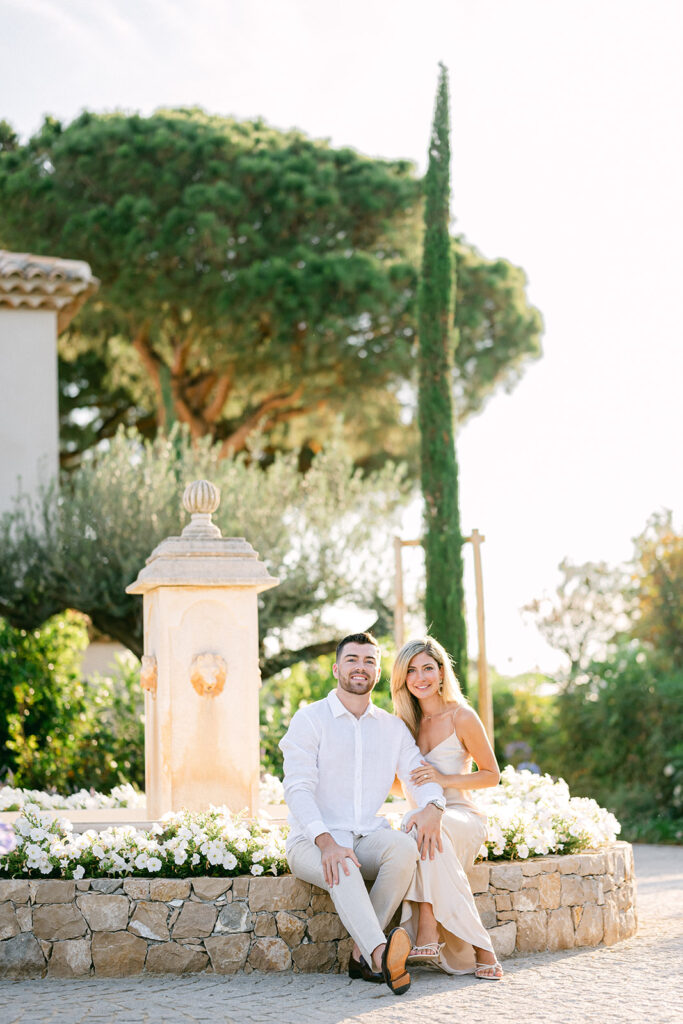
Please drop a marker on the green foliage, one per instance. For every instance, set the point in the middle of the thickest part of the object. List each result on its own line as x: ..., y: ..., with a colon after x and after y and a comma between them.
x: 325, y: 535
x: 41, y: 699
x: 251, y: 279
x: 444, y: 597
x: 618, y: 740
x: 56, y: 731
x: 285, y: 693
x: 524, y: 713
x: 658, y: 591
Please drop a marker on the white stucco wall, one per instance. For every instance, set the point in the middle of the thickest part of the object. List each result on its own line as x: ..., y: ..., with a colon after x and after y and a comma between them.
x: 29, y: 418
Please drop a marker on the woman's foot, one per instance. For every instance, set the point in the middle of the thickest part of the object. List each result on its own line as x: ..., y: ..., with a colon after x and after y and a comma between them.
x: 489, y: 971
x: 428, y: 953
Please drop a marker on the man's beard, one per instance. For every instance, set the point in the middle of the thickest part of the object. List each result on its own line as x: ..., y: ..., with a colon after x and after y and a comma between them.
x: 356, y: 686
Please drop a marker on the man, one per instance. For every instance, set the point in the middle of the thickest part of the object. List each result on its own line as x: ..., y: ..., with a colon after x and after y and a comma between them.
x: 341, y: 756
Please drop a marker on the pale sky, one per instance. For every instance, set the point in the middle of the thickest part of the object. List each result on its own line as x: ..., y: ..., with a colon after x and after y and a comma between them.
x: 567, y: 160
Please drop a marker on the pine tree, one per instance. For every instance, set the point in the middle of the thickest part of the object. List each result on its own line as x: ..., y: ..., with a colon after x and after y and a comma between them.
x: 444, y: 605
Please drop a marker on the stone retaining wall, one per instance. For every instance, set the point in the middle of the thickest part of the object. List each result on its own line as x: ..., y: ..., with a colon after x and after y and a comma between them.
x: 114, y: 927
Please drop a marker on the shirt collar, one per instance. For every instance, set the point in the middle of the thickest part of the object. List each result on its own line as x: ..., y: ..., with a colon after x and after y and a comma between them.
x: 338, y: 708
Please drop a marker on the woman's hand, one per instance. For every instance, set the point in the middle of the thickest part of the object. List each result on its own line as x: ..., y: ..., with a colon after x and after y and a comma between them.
x: 427, y: 773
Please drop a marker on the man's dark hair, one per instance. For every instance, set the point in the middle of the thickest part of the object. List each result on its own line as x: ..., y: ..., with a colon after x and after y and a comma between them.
x: 355, y: 638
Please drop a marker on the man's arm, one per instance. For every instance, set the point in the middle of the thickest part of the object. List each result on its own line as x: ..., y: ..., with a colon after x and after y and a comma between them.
x: 300, y: 746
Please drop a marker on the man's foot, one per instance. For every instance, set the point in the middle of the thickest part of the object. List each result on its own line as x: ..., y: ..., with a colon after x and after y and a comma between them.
x: 360, y: 969
x: 394, y: 961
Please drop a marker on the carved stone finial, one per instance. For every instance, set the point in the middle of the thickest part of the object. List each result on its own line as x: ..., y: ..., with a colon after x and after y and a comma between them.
x: 200, y: 499
x: 207, y: 674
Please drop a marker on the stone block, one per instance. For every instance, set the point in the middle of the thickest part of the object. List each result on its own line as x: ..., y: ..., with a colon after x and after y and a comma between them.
x: 560, y: 929
x: 14, y: 889
x: 106, y: 885
x: 624, y: 896
x: 264, y: 924
x: 174, y: 958
x: 325, y: 927
x: 136, y: 888
x: 590, y: 929
x: 317, y: 957
x: 503, y: 902
x: 284, y: 893
x: 619, y: 865
x: 486, y: 905
x: 322, y: 901
x: 228, y: 953
x: 240, y: 888
x: 344, y: 950
x: 104, y: 913
x: 9, y: 925
x: 21, y: 957
x: 70, y: 959
x: 537, y: 866
x: 236, y: 917
x: 591, y: 863
x: 25, y: 918
x: 508, y: 915
x: 572, y: 891
x: 167, y: 889
x: 532, y: 931
x: 478, y: 877
x: 196, y: 920
x: 527, y: 899
x: 290, y: 928
x: 629, y: 869
x: 549, y: 891
x: 117, y: 954
x: 58, y: 921
x: 83, y: 885
x: 149, y: 921
x: 53, y: 890
x: 270, y: 954
x: 531, y: 881
x: 210, y: 888
x: 506, y: 876
x: 610, y: 922
x: 504, y: 938
x: 628, y: 924
x: 569, y: 865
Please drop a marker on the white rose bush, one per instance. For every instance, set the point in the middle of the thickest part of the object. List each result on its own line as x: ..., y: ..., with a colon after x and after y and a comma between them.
x: 528, y: 815
x: 213, y: 842
x: 533, y: 815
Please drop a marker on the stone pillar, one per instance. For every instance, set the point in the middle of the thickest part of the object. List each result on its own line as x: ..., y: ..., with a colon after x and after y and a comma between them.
x: 200, y: 668
x: 39, y: 296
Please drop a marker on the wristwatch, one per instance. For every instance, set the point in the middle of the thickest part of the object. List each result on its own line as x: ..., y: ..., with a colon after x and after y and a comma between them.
x: 438, y: 801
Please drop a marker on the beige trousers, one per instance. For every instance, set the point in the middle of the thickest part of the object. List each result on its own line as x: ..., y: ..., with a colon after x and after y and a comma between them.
x: 387, y: 856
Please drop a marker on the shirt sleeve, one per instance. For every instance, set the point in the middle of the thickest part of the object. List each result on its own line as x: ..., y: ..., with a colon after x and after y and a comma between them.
x: 409, y: 759
x: 300, y: 748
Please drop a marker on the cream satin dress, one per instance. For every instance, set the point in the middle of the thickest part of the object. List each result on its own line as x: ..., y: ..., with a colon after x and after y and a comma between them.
x: 442, y: 881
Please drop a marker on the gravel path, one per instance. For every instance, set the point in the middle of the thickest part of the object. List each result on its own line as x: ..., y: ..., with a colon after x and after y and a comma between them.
x: 635, y: 981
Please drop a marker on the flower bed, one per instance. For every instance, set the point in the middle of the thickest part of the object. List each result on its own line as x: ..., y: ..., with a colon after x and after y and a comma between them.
x: 528, y: 815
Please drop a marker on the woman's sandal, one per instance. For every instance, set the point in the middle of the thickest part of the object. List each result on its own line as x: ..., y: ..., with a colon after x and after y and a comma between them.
x: 488, y: 967
x: 430, y: 953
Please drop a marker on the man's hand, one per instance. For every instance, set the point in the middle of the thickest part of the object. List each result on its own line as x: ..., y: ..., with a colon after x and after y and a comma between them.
x: 334, y: 857
x: 428, y: 822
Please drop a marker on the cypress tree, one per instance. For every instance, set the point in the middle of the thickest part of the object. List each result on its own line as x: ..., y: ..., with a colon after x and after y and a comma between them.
x: 444, y: 605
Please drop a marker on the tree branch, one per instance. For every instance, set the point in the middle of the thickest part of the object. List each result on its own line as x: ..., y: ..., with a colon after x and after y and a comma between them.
x: 238, y: 438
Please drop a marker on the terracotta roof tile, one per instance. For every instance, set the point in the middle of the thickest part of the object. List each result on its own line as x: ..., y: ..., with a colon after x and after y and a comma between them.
x: 45, y: 282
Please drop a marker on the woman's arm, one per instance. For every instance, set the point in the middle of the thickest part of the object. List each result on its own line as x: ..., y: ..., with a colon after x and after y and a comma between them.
x: 471, y: 734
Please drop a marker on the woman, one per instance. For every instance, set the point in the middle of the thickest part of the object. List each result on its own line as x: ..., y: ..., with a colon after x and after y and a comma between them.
x: 439, y: 910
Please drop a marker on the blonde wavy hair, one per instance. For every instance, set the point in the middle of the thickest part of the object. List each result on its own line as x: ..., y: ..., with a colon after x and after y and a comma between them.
x: 406, y: 706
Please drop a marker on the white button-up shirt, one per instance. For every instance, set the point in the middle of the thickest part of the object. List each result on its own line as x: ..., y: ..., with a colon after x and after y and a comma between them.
x: 339, y: 769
